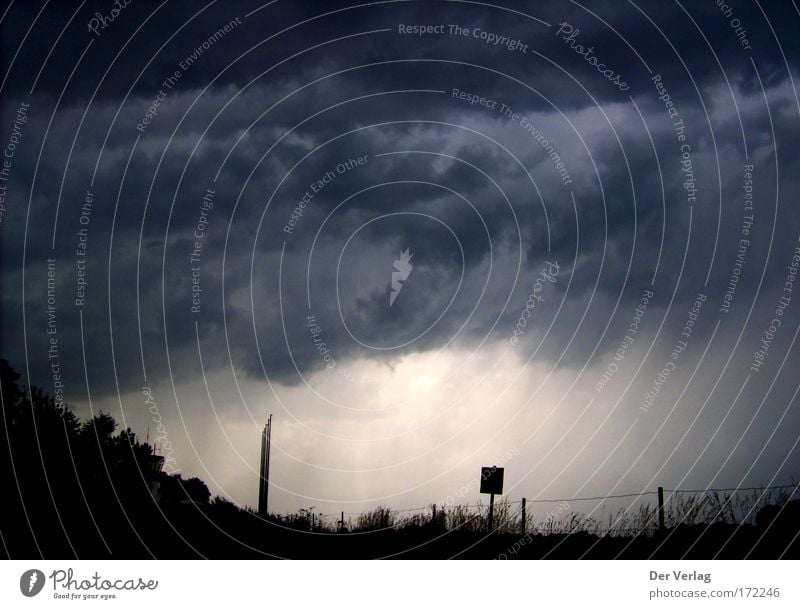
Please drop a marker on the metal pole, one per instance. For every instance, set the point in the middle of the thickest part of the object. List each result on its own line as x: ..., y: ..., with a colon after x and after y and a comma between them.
x: 263, y: 482
x: 491, y: 512
x: 262, y: 510
x: 660, y: 508
x: 266, y: 476
x: 524, y: 523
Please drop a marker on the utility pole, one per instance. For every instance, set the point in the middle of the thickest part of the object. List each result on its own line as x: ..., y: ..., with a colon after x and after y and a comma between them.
x: 263, y: 483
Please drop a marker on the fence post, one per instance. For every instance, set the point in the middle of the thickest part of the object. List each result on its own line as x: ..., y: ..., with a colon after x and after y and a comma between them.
x: 661, y: 508
x: 523, y: 516
x: 434, y: 513
x: 341, y: 525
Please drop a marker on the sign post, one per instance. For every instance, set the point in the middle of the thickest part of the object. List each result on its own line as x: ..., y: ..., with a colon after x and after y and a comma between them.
x: 492, y: 484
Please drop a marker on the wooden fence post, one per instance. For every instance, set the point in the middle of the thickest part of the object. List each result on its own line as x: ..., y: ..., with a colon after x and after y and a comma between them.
x: 661, y: 526
x: 523, y: 516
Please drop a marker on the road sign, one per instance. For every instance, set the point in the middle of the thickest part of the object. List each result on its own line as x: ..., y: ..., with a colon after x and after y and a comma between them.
x: 492, y: 480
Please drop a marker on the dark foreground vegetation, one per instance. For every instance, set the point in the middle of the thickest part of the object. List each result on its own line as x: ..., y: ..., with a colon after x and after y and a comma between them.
x: 84, y: 489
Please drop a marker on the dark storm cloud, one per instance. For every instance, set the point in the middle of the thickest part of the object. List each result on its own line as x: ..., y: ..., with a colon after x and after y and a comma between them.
x: 613, y: 247
x: 577, y: 172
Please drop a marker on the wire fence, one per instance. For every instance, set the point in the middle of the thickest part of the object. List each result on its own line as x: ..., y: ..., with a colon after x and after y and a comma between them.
x: 598, y: 498
x: 731, y: 506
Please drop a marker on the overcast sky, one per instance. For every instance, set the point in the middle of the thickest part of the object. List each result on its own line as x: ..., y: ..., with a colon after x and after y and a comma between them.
x: 599, y: 203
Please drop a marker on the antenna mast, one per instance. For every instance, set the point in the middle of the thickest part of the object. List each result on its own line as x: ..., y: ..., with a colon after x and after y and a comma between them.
x: 263, y: 481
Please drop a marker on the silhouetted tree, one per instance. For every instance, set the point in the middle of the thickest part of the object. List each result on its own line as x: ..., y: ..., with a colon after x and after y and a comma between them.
x: 73, y: 489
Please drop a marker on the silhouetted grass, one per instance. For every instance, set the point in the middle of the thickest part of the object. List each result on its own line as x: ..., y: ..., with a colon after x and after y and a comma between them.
x: 681, y: 509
